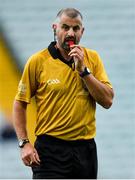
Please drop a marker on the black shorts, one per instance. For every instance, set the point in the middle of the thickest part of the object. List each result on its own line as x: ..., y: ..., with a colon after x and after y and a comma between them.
x: 65, y: 159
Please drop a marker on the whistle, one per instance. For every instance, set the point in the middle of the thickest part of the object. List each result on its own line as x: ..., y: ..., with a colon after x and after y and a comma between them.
x: 70, y: 43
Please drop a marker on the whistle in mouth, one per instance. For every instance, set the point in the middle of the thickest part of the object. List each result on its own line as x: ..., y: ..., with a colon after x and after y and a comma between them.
x: 71, y: 43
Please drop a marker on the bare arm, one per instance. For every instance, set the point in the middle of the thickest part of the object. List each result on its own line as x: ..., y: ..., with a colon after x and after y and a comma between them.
x: 29, y: 154
x: 101, y: 92
x: 19, y: 116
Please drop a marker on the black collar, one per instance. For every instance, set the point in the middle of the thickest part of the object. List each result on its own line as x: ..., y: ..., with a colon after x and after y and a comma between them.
x: 55, y: 53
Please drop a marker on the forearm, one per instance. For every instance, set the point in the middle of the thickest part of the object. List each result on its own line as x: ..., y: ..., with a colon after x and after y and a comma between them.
x: 19, y: 119
x: 102, y: 93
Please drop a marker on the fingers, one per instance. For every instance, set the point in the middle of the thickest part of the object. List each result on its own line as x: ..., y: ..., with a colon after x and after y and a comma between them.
x: 27, y: 161
x: 77, y: 52
x: 30, y: 156
x: 77, y: 49
x: 78, y: 55
x: 75, y: 45
x: 37, y: 157
x: 34, y: 159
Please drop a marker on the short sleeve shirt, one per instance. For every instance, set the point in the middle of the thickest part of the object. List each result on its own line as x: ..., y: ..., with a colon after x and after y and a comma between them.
x: 65, y: 109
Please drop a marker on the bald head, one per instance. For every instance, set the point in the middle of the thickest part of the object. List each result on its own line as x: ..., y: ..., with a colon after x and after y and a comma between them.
x: 70, y: 12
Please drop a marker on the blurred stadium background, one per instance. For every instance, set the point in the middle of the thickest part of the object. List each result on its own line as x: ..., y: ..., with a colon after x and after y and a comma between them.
x: 25, y: 27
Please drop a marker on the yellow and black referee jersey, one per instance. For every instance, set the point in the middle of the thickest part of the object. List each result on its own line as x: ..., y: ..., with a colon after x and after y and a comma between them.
x: 65, y: 108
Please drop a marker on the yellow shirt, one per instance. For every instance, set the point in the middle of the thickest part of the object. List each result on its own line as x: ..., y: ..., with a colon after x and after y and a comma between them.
x: 65, y: 109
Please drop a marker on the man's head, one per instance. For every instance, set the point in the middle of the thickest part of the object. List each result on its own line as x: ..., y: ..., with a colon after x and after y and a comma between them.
x: 68, y: 27
x: 70, y: 12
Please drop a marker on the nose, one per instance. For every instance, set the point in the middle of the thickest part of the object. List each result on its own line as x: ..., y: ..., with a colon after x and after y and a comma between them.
x: 71, y: 32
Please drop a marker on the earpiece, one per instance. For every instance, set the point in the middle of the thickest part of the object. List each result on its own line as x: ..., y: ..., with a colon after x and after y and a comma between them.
x: 54, y: 26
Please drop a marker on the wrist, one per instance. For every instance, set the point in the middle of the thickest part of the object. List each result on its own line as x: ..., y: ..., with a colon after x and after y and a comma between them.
x: 22, y: 142
x: 85, y: 72
x: 80, y: 70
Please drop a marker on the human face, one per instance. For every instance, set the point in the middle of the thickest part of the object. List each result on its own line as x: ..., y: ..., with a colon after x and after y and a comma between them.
x: 68, y: 29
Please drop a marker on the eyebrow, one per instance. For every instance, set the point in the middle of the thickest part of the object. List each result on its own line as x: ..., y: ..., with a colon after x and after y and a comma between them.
x: 71, y: 26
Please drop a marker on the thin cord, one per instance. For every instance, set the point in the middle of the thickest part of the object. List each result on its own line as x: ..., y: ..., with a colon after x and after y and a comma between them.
x: 54, y: 34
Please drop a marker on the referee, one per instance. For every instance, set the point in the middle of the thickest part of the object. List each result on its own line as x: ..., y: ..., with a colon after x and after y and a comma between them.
x: 67, y: 81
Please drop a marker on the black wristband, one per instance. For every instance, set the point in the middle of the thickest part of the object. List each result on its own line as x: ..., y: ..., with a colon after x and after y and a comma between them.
x: 85, y: 72
x: 22, y: 142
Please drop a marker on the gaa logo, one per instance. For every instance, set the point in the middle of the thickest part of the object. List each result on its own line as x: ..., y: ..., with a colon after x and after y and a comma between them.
x: 53, y: 81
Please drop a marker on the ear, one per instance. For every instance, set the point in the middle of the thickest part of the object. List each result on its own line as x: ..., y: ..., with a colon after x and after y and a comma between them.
x: 54, y: 26
x: 82, y: 30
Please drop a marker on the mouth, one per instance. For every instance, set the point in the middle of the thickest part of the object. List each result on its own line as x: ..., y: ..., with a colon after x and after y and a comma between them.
x: 69, y: 39
x: 69, y: 42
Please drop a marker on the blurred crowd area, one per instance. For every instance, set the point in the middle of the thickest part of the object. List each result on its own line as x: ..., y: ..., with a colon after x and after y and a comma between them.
x: 25, y: 28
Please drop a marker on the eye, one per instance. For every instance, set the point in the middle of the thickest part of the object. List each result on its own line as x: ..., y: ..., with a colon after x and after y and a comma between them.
x: 65, y: 27
x: 76, y: 28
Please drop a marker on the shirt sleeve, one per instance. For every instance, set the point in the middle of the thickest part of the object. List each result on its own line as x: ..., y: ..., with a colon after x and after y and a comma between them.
x: 100, y: 72
x: 97, y: 67
x: 27, y: 85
